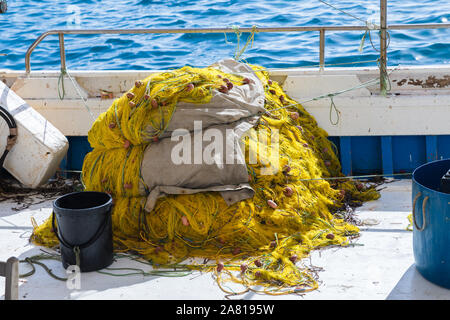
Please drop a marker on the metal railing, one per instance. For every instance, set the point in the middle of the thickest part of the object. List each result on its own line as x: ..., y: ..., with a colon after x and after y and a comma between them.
x: 383, y: 28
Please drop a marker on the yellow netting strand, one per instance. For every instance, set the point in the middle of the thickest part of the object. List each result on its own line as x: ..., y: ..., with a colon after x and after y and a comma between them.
x: 267, y: 240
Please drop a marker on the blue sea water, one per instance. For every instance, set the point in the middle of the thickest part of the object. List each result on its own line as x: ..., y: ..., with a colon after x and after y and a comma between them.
x: 27, y: 19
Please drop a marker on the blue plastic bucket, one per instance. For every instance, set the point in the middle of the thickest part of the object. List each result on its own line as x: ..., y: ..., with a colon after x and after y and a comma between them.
x: 431, y: 223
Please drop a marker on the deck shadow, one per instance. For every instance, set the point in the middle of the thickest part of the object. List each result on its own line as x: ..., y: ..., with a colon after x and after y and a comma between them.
x: 413, y: 286
x: 41, y: 286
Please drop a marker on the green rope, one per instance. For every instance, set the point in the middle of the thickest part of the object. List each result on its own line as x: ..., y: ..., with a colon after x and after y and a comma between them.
x: 36, y: 259
x: 250, y: 39
x: 338, y: 113
x: 239, y: 51
x: 62, y: 94
x: 329, y: 95
x: 164, y: 273
x: 183, y: 270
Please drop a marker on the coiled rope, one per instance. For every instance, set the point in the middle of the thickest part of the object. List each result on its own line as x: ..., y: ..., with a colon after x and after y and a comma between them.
x: 11, y: 139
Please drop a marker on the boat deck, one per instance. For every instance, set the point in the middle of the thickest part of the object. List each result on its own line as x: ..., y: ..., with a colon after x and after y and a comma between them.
x: 379, y: 265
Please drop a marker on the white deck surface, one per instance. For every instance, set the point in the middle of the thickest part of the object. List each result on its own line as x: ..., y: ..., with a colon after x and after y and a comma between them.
x: 381, y: 266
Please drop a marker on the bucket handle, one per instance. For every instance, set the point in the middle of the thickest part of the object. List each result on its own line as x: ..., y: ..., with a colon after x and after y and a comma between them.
x: 84, y: 245
x: 424, y: 223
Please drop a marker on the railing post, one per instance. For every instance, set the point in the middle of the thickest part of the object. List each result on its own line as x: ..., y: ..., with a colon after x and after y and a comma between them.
x: 12, y: 279
x: 383, y: 46
x: 322, y: 49
x: 62, y: 51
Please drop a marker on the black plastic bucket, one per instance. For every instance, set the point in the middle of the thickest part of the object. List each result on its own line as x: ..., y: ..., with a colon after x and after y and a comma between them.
x: 84, y: 229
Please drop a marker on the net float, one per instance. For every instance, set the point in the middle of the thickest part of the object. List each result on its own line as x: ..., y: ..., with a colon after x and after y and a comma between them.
x: 229, y: 85
x: 325, y: 150
x: 258, y: 274
x: 112, y: 125
x: 126, y: 144
x: 269, y: 82
x: 132, y: 104
x: 330, y: 236
x: 138, y: 84
x: 243, y: 267
x: 146, y: 96
x: 246, y: 81
x: 282, y: 98
x: 286, y: 168
x: 128, y: 186
x: 272, y: 91
x: 288, y: 192
x: 273, y: 244
x: 155, y: 139
x: 219, y: 76
x: 223, y: 89
x: 154, y: 103
x: 359, y: 186
x: 258, y: 263
x: 272, y: 204
x: 300, y: 128
x: 220, y: 267
x: 327, y: 163
x: 236, y: 251
x: 190, y: 87
x: 105, y: 180
x: 305, y: 145
x: 185, y: 221
x: 294, y: 115
x: 130, y: 95
x: 226, y: 80
x: 293, y: 258
x: 159, y: 249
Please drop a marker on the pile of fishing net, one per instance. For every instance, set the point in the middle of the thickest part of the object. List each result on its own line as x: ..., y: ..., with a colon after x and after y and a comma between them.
x: 257, y: 242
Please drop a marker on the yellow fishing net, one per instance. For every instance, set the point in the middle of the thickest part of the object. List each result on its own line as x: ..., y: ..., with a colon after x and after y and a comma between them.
x: 255, y: 242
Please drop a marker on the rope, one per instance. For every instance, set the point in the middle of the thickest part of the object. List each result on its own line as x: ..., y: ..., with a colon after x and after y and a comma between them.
x: 36, y: 259
x: 61, y: 85
x: 331, y: 95
x: 370, y: 26
x: 386, y: 78
x: 250, y: 39
x: 239, y: 51
x: 137, y: 271
x: 338, y: 64
x: 359, y: 177
x: 183, y: 270
x: 338, y: 113
x: 344, y: 12
x: 77, y: 89
x: 11, y: 139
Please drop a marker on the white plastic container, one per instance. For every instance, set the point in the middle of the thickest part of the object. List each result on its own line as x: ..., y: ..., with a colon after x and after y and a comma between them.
x: 40, y: 147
